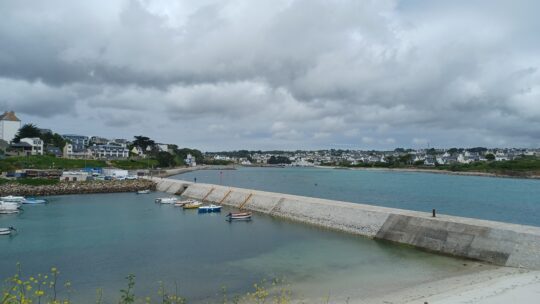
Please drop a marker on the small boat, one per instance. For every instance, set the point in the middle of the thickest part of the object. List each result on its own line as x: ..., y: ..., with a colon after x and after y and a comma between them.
x: 12, y: 199
x: 192, y: 205
x: 166, y: 200
x: 209, y: 208
x: 7, y: 231
x: 34, y: 201
x: 146, y: 191
x: 9, y: 207
x: 182, y: 203
x: 239, y: 216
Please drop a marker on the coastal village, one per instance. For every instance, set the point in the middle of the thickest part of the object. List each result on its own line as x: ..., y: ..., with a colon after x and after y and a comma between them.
x: 14, y: 143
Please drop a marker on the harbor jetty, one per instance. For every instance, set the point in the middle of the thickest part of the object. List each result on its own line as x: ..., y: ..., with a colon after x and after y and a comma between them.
x: 77, y: 187
x: 498, y: 243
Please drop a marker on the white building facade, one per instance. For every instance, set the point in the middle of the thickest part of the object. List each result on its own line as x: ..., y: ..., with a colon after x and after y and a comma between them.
x: 9, y: 126
x: 36, y: 143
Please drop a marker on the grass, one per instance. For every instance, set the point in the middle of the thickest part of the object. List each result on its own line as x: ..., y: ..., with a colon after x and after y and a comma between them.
x: 48, y: 288
x: 46, y: 162
x: 132, y: 164
x: 30, y: 181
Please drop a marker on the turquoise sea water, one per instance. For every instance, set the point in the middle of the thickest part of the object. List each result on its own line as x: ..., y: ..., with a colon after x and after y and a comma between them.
x: 96, y: 240
x: 499, y: 199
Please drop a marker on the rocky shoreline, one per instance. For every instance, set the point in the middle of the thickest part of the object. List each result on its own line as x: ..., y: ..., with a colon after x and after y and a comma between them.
x: 77, y: 188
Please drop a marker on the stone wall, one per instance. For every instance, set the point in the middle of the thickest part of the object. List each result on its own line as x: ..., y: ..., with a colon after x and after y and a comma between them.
x: 77, y: 187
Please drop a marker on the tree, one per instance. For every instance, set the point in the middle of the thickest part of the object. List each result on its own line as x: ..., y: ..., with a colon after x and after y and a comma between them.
x: 53, y: 139
x: 143, y: 142
x: 27, y: 130
x: 165, y: 159
x: 275, y: 160
x: 490, y: 157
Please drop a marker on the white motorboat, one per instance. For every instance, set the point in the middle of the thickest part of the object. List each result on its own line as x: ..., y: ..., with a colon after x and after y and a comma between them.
x: 12, y: 199
x: 146, y: 191
x: 7, y: 208
x: 185, y: 202
x: 7, y: 231
x: 9, y: 205
x: 166, y: 200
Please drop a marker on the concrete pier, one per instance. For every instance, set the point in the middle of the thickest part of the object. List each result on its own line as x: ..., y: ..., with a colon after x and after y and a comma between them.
x: 494, y: 242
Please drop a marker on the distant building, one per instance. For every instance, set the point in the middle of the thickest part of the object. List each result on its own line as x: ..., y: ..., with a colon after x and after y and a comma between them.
x: 20, y: 149
x: 36, y: 143
x: 79, y: 142
x: 109, y: 152
x: 96, y: 140
x: 9, y: 126
x: 74, y: 176
x: 190, y: 161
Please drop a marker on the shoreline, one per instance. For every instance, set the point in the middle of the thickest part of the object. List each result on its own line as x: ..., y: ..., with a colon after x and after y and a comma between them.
x: 494, y: 286
x: 433, y: 171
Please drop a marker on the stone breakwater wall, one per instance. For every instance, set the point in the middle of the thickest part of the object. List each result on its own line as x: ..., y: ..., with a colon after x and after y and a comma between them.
x: 494, y: 242
x: 77, y: 187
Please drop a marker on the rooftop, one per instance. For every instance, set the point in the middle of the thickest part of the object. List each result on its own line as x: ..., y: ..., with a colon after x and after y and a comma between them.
x: 10, y: 116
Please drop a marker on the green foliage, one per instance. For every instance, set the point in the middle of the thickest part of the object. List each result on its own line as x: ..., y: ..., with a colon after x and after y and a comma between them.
x: 46, y: 162
x: 143, y: 142
x: 37, y: 181
x: 53, y: 139
x: 182, y: 154
x: 27, y: 130
x: 490, y: 156
x: 165, y: 159
x: 43, y: 288
x: 133, y: 164
x: 276, y: 160
x: 217, y: 162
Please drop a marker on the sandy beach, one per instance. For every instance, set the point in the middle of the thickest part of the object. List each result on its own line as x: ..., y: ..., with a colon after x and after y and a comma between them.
x: 495, y: 286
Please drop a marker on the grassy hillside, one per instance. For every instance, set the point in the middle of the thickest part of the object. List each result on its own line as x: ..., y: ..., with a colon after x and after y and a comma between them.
x: 132, y: 164
x: 46, y: 162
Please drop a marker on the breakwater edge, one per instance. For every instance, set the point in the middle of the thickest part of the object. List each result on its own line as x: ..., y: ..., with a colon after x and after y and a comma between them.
x: 88, y: 187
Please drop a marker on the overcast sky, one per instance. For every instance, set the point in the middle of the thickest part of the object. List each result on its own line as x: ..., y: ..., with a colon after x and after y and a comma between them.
x: 307, y: 74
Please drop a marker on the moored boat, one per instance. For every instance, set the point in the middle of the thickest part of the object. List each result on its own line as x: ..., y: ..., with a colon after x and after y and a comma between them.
x: 146, y: 191
x: 166, y: 200
x: 209, y: 208
x: 192, y: 205
x: 239, y: 216
x: 33, y: 201
x: 12, y: 199
x: 7, y: 231
x: 9, y: 207
x: 182, y: 203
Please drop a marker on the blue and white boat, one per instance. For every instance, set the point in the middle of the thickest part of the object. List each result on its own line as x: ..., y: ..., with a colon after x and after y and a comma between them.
x: 209, y: 209
x: 34, y: 201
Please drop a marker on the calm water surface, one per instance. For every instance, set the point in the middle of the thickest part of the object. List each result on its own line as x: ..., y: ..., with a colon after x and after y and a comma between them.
x: 499, y: 199
x: 96, y: 240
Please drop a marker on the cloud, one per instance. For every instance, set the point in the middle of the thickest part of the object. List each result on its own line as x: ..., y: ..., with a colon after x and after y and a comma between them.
x: 279, y: 74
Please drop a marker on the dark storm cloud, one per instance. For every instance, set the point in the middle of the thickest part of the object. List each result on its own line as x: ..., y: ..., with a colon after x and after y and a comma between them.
x: 311, y: 73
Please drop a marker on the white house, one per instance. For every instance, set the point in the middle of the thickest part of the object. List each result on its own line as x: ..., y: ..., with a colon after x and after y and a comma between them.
x: 36, y: 143
x: 9, y: 126
x: 190, y: 161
